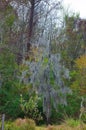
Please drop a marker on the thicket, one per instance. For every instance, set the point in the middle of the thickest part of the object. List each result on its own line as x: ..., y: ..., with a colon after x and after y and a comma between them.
x: 46, y: 87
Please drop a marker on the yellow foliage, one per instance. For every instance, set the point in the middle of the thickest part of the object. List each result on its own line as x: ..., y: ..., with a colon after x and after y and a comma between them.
x: 34, y: 54
x: 81, y: 62
x: 80, y: 79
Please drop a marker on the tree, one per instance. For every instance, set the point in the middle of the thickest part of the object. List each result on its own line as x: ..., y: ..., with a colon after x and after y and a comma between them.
x: 73, y: 39
x: 25, y: 30
x: 79, y: 83
x: 47, y: 80
x: 8, y: 80
x: 35, y: 17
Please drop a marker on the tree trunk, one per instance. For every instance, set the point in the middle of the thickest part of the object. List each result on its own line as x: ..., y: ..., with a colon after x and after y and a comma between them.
x: 30, y: 32
x: 3, y: 119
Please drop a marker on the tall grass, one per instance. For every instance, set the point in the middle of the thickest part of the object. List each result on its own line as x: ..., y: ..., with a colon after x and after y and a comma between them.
x: 68, y: 124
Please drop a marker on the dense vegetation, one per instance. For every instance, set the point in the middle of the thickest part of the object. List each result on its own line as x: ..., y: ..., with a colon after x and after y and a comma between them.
x: 42, y: 66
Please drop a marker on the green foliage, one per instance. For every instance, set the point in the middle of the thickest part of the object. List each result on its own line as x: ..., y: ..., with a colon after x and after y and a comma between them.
x: 30, y: 108
x: 10, y: 20
x: 45, y: 61
x: 9, y: 16
x: 9, y: 100
x: 72, y: 123
x: 73, y: 73
x: 78, y: 76
x: 57, y: 116
x: 73, y: 107
x: 73, y: 39
x: 7, y: 19
x: 83, y: 118
x: 71, y: 110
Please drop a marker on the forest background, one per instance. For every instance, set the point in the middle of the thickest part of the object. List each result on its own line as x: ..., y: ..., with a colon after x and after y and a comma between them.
x: 42, y: 62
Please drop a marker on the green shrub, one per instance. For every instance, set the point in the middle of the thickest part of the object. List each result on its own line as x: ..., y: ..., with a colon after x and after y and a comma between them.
x: 71, y: 110
x: 83, y: 118
x: 73, y: 106
x: 30, y: 108
x: 72, y: 123
x: 57, y: 116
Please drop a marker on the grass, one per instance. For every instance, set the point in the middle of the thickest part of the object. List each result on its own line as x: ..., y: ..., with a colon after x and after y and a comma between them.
x: 68, y: 124
x: 62, y: 127
x: 40, y: 128
x: 72, y: 123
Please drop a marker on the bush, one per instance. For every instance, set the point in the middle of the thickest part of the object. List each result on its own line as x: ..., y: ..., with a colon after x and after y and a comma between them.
x: 21, y: 124
x: 83, y: 118
x: 30, y: 108
x: 72, y: 123
x: 73, y: 106
x: 71, y: 110
x: 57, y: 116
